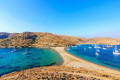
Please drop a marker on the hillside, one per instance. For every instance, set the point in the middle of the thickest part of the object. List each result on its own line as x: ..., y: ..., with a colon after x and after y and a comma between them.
x: 20, y: 40
x: 32, y: 39
x: 48, y: 40
x: 60, y: 73
x: 40, y: 39
x: 118, y: 38
x: 75, y: 40
x: 102, y: 40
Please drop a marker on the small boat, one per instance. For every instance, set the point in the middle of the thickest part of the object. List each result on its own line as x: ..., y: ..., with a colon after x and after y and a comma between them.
x: 96, y: 46
x: 115, y: 51
x: 25, y: 53
x: 108, y: 46
x: 103, y: 48
x: 84, y: 49
x: 13, y: 50
x: 98, y: 50
x: 89, y: 47
x: 97, y: 54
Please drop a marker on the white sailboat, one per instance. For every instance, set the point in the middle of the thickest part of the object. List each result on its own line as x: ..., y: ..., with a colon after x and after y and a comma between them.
x: 97, y: 50
x: 96, y: 46
x: 25, y: 52
x: 75, y: 46
x: 103, y: 47
x: 108, y: 46
x: 97, y: 54
x: 89, y: 47
x: 115, y: 51
x: 85, y: 48
x: 13, y: 50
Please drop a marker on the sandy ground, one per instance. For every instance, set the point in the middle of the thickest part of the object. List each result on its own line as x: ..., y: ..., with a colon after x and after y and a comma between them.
x: 70, y: 60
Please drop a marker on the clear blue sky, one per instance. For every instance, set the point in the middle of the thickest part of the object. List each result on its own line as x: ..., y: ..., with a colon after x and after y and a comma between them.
x: 83, y: 18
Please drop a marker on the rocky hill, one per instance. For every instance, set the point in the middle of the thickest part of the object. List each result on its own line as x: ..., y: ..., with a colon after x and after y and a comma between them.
x: 48, y: 40
x: 32, y: 39
x: 20, y: 40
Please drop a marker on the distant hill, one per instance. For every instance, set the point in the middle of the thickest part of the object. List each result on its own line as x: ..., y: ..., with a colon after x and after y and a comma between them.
x: 118, y: 38
x: 75, y: 40
x: 103, y: 40
x: 5, y: 35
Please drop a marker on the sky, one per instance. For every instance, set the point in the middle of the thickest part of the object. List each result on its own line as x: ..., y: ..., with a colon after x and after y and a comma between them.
x: 81, y: 18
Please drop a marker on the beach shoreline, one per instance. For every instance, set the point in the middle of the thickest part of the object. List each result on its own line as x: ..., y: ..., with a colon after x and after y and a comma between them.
x: 73, y: 61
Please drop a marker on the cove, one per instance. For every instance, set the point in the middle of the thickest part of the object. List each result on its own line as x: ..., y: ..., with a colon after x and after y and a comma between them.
x: 23, y: 58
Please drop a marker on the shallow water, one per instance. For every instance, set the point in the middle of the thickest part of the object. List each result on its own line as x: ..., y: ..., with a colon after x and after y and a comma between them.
x: 15, y: 60
x: 105, y: 58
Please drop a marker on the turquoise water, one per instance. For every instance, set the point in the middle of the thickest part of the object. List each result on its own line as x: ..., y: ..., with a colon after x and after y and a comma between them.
x: 105, y: 58
x: 15, y: 60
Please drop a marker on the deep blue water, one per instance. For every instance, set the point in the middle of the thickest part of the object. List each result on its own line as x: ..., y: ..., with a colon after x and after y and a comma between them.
x: 35, y: 57
x: 105, y: 58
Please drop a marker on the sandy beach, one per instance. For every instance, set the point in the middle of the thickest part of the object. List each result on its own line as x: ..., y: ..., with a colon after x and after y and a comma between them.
x: 70, y: 60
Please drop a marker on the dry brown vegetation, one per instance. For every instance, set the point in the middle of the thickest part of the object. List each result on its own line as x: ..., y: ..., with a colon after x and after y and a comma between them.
x: 60, y: 73
x: 103, y: 40
x: 39, y: 39
x: 31, y: 39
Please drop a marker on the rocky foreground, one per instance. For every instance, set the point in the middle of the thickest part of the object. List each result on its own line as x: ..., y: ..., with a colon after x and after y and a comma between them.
x: 60, y: 73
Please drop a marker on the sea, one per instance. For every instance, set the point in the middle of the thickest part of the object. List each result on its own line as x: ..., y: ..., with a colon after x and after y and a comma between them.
x: 17, y: 59
x: 101, y: 55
